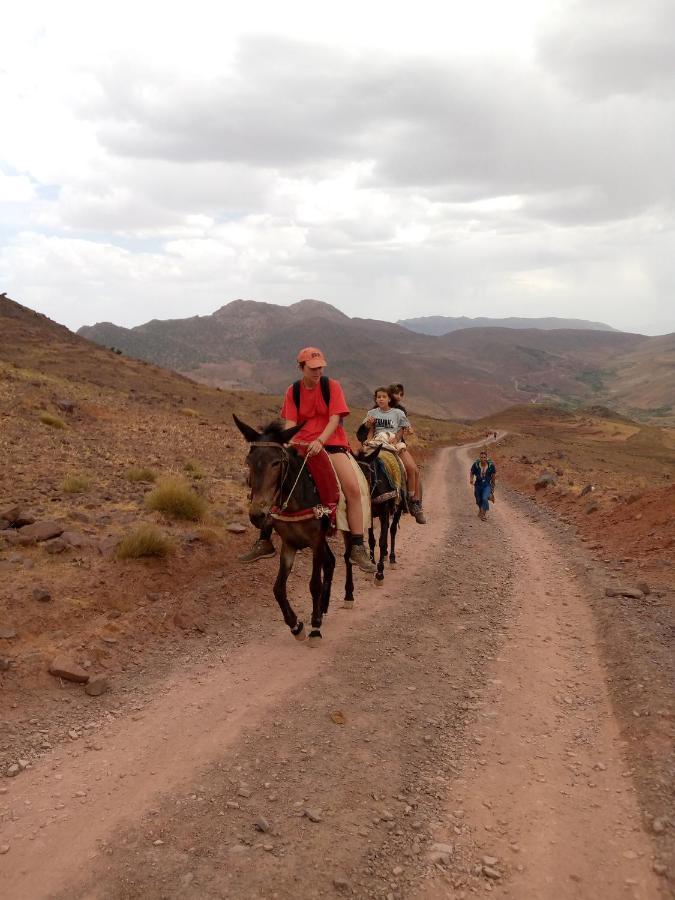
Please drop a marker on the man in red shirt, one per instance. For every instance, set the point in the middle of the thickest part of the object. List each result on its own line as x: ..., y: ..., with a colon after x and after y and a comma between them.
x: 322, y: 431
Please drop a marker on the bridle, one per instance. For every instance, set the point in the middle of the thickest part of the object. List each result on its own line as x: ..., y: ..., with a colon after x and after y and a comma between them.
x: 285, y: 459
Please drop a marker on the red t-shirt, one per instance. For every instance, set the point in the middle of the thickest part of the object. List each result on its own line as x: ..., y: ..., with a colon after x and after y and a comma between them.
x: 315, y: 414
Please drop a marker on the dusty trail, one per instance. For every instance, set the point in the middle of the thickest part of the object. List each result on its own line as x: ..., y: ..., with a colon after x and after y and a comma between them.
x: 475, y: 715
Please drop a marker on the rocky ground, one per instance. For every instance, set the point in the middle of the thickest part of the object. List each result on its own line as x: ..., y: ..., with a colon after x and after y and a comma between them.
x: 468, y: 728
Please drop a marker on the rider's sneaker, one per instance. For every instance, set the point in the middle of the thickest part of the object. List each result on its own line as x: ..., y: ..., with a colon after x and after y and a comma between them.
x: 359, y: 558
x: 418, y: 512
x: 260, y: 550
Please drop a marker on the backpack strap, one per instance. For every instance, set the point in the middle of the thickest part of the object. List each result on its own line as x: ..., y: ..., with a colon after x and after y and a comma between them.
x: 325, y: 392
x: 325, y: 389
x: 296, y: 396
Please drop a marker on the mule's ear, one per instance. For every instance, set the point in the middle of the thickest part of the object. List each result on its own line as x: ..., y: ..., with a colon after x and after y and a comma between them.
x: 249, y: 433
x: 285, y: 436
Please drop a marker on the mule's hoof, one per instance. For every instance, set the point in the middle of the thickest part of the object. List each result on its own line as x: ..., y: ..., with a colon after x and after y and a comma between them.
x: 392, y: 563
x: 348, y: 604
x: 300, y: 634
x: 378, y: 581
x: 314, y: 638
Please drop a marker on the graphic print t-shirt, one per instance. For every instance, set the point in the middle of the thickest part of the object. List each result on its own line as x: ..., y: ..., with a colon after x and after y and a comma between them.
x: 315, y: 414
x: 391, y: 420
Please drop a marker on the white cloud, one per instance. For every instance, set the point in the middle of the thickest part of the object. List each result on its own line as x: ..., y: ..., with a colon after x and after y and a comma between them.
x: 516, y: 158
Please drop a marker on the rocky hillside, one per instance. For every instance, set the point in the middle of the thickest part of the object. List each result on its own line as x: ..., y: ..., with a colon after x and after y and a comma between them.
x: 463, y: 374
x: 439, y: 325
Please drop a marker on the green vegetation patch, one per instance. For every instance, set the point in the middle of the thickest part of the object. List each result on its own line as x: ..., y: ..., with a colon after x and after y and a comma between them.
x: 141, y: 473
x: 193, y: 468
x: 75, y: 484
x: 52, y: 421
x: 146, y: 540
x: 175, y: 498
x: 592, y: 378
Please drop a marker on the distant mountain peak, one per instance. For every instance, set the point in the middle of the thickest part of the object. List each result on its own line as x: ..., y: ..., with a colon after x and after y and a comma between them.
x: 440, y: 325
x: 317, y: 308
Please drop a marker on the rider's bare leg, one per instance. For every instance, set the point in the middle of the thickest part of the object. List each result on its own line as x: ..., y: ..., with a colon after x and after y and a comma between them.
x: 350, y: 488
x: 412, y: 473
x: 356, y: 517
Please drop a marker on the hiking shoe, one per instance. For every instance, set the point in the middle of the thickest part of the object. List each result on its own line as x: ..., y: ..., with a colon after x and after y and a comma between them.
x: 359, y: 558
x: 417, y: 512
x: 260, y: 550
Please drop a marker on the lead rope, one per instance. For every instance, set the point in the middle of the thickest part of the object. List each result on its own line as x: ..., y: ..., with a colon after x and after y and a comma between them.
x: 287, y: 500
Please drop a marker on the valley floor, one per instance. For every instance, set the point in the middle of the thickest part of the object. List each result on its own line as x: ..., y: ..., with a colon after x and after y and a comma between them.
x: 464, y: 729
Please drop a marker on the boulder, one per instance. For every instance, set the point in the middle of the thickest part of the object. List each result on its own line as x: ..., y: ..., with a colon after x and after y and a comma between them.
x: 41, y: 594
x: 67, y: 406
x: 66, y: 668
x: 591, y: 508
x: 546, y: 479
x: 586, y: 490
x: 97, y: 685
x: 235, y: 528
x: 10, y: 514
x: 5, y: 663
x: 38, y: 532
x: 622, y: 591
x: 24, y: 518
x: 75, y: 539
x: 57, y: 545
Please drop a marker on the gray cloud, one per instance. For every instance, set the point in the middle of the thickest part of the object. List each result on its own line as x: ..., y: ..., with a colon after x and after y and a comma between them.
x: 459, y: 132
x: 612, y: 47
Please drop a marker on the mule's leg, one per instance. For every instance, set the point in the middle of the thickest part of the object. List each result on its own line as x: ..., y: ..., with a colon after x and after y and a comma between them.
x: 384, y: 535
x: 286, y: 560
x: 349, y: 577
x: 396, y: 518
x: 315, y: 586
x: 328, y: 569
x: 371, y: 542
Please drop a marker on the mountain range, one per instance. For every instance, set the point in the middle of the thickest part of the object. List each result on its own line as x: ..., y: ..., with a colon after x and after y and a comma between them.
x: 466, y: 373
x: 439, y: 325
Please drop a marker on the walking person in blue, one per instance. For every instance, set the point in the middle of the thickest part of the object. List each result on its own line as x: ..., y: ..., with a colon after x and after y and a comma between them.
x: 482, y: 477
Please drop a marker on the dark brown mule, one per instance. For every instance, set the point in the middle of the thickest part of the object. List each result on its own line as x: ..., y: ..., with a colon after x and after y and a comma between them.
x: 386, y: 506
x: 278, y: 478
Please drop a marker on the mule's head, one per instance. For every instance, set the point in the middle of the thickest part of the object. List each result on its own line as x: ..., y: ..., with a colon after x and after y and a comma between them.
x: 265, y: 461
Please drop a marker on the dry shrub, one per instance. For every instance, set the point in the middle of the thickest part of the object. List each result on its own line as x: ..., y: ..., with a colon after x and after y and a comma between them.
x: 193, y: 468
x: 146, y: 540
x: 75, y: 484
x: 52, y: 421
x: 141, y: 473
x: 175, y: 498
x: 187, y: 411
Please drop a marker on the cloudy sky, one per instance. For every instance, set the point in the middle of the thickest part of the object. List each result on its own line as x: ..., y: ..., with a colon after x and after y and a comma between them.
x: 158, y: 160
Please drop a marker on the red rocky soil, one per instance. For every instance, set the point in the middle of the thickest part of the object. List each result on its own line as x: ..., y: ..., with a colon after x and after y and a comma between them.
x: 488, y: 721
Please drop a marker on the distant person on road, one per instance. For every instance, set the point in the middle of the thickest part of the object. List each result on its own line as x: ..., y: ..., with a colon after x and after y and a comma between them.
x: 482, y: 476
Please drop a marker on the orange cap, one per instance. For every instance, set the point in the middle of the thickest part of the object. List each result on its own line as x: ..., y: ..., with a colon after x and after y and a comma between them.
x: 312, y: 357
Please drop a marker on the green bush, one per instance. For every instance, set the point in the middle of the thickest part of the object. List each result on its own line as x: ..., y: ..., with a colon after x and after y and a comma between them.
x: 52, y: 421
x: 146, y: 540
x: 141, y: 473
x: 175, y: 498
x: 193, y: 468
x: 75, y: 484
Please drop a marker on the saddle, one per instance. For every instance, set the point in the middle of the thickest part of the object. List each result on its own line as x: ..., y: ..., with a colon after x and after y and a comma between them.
x: 394, y: 473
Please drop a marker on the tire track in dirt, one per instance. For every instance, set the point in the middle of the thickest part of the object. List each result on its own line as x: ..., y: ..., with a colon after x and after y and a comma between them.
x: 171, y: 801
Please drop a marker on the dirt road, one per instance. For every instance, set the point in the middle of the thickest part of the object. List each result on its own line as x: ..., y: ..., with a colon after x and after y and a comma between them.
x: 453, y: 734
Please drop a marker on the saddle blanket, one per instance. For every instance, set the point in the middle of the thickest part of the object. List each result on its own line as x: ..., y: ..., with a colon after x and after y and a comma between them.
x: 393, y: 469
x: 331, y: 496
